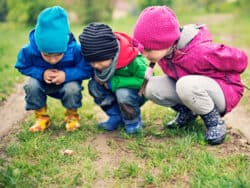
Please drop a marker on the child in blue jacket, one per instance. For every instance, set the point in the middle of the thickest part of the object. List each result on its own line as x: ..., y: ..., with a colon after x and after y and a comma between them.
x: 53, y: 61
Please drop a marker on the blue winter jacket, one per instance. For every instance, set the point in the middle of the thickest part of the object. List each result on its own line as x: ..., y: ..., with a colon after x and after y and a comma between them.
x: 30, y: 62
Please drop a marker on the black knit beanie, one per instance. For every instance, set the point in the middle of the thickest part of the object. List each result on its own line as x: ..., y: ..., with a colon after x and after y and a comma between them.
x: 98, y: 42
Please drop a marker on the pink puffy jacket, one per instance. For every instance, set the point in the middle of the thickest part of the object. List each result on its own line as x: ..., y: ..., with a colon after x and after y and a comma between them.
x: 201, y: 57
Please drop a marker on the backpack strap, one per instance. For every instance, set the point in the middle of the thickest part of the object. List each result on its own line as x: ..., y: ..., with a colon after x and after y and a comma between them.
x: 188, y: 32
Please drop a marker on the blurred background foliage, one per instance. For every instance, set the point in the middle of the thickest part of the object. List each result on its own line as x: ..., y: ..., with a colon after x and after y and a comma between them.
x: 85, y: 11
x: 228, y: 20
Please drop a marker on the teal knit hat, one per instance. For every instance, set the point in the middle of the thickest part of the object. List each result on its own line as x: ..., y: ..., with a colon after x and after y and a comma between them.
x: 52, y: 30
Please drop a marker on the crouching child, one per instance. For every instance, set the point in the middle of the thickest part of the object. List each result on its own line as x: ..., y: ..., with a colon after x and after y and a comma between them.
x: 119, y: 71
x: 53, y: 61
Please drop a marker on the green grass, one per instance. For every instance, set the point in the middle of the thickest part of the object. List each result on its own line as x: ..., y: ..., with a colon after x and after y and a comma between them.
x: 155, y: 157
x: 13, y: 37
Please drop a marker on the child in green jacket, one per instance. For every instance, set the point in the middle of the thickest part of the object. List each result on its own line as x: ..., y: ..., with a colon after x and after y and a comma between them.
x: 119, y: 74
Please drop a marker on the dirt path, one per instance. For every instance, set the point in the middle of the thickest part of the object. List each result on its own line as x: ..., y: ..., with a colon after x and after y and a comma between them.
x: 239, y: 119
x: 12, y: 111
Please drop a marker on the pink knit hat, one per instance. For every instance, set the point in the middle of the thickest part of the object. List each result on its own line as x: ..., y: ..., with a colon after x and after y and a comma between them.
x: 157, y: 28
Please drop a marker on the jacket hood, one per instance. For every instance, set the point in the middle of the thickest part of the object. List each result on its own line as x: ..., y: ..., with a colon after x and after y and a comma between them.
x: 127, y: 51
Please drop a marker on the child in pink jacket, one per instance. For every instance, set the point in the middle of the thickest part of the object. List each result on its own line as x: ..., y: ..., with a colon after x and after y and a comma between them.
x: 201, y: 78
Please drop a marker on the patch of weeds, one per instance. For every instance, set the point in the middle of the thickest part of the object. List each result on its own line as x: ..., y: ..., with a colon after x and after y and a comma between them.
x: 149, y: 179
x: 127, y: 169
x: 20, y: 174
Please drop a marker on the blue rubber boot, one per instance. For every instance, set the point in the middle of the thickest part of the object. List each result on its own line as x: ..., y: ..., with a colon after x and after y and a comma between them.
x: 183, y: 117
x: 114, y: 120
x: 216, y: 128
x: 134, y: 127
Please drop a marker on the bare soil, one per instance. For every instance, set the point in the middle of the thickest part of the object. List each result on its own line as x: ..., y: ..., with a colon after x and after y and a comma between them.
x: 12, y: 111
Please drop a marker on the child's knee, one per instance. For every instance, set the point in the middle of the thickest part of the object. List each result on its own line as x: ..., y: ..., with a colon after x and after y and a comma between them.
x: 72, y: 88
x: 184, y: 88
x: 32, y: 86
x: 123, y: 95
x: 95, y: 89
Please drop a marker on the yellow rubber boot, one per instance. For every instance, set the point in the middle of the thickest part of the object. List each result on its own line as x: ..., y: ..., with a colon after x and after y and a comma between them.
x: 42, y: 120
x: 72, y: 120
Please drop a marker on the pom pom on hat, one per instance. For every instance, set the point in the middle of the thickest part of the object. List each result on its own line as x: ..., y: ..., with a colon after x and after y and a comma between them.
x: 157, y: 28
x: 52, y: 30
x: 98, y: 42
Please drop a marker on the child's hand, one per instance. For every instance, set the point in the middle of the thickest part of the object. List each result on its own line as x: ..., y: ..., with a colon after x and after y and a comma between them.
x: 107, y: 84
x: 59, y: 77
x: 49, y: 75
x: 99, y: 81
x: 149, y: 73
